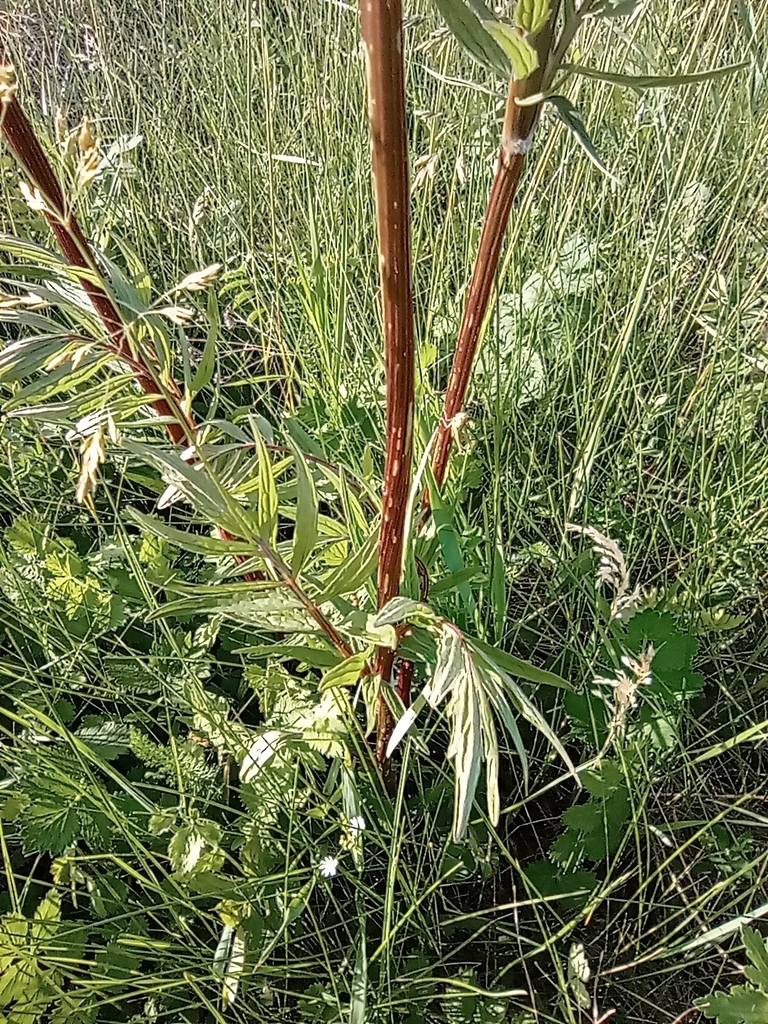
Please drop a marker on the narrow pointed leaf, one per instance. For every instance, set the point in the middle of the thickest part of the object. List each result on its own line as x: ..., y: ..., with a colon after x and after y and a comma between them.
x: 305, y: 531
x: 574, y: 122
x: 204, y: 372
x: 653, y: 81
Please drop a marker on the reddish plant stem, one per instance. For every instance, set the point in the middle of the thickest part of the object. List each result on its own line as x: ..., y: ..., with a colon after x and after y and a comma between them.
x: 517, y: 136
x: 381, y: 23
x: 26, y: 148
x: 24, y: 144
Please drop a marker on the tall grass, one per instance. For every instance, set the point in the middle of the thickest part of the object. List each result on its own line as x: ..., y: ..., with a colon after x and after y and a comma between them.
x: 620, y: 384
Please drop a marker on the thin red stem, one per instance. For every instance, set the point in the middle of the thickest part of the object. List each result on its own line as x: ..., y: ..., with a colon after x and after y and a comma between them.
x: 517, y: 136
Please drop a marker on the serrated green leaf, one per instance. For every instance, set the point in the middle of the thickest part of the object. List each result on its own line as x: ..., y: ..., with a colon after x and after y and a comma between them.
x: 522, y: 55
x: 49, y: 828
x: 305, y: 530
x: 574, y: 122
x: 47, y: 915
x: 190, y: 843
x: 758, y: 954
x: 742, y: 1005
x: 473, y: 37
x: 641, y: 82
x: 107, y: 738
x: 532, y: 15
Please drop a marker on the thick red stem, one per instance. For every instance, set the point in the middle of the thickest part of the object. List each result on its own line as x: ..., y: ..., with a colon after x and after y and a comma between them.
x: 381, y: 22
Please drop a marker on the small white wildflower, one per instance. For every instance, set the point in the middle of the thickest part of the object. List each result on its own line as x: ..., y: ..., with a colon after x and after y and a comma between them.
x: 328, y: 867
x: 357, y: 825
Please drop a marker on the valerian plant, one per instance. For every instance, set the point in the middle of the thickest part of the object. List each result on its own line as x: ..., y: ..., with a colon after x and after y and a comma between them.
x: 323, y: 574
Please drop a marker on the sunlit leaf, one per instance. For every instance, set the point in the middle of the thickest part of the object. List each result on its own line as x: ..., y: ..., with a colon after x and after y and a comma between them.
x: 521, y: 54
x: 532, y: 15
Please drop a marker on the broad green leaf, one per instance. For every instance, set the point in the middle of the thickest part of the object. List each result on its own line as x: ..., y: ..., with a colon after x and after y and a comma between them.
x: 522, y: 55
x: 476, y: 40
x: 652, y: 81
x: 532, y: 15
x: 742, y: 1005
x: 574, y: 122
x: 305, y: 530
x: 204, y: 371
x: 347, y: 672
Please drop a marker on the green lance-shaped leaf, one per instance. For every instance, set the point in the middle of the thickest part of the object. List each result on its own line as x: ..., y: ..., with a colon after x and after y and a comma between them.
x: 266, y: 515
x: 193, y: 481
x: 204, y: 372
x: 359, y: 988
x: 532, y: 15
x: 475, y: 39
x: 305, y: 530
x: 352, y: 573
x: 574, y: 122
x: 191, y: 542
x: 521, y: 54
x: 640, y: 82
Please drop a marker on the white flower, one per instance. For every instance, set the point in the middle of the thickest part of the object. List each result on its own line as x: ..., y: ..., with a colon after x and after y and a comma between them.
x: 357, y: 825
x: 328, y: 867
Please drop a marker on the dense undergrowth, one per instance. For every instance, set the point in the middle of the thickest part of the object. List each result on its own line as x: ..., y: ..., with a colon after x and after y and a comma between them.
x: 192, y: 826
